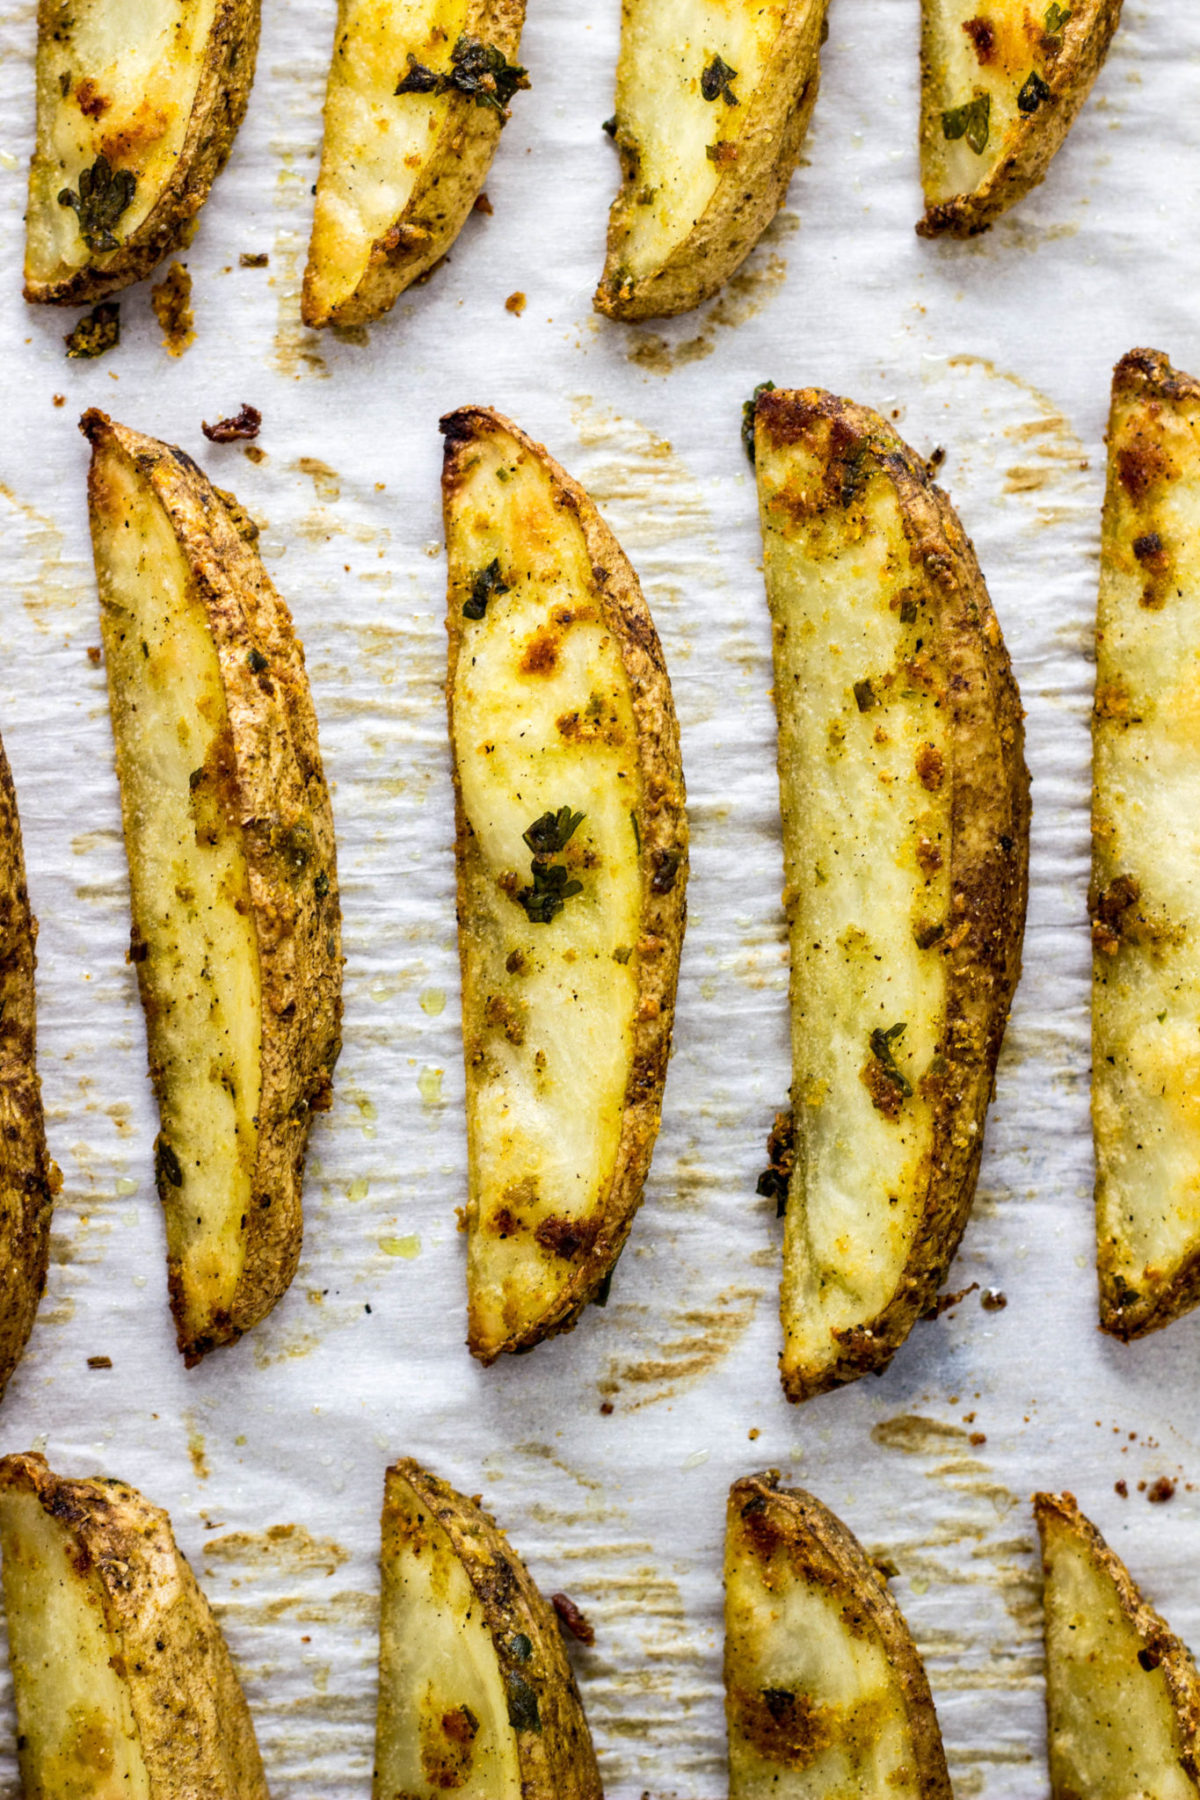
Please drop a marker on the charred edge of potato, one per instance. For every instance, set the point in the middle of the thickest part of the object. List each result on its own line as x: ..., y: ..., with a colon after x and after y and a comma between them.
x: 28, y: 1179
x: 217, y: 112
x: 1069, y: 77
x: 281, y: 801
x: 989, y: 860
x: 747, y: 197
x: 824, y: 1553
x: 662, y: 823
x: 554, y: 1744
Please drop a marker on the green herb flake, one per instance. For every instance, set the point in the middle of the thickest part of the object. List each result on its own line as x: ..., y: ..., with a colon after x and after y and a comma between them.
x: 714, y: 83
x: 257, y: 662
x: 972, y: 121
x: 908, y: 612
x: 749, y: 410
x: 166, y: 1165
x: 478, y: 70
x: 600, y: 1297
x: 321, y: 885
x: 881, y: 1050
x: 96, y: 332
x: 553, y: 831
x: 552, y: 888
x: 1056, y: 18
x: 864, y: 695
x: 609, y: 126
x: 488, y: 582
x: 520, y: 1647
x: 104, y: 194
x: 637, y: 831
x: 523, y: 1714
x: 926, y: 936
x: 1033, y: 93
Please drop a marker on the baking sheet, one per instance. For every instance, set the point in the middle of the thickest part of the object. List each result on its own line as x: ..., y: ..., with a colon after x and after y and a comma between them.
x: 270, y: 1456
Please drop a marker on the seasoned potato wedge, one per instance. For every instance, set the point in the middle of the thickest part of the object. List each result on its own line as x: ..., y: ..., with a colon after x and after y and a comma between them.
x: 1122, y: 1693
x: 825, y: 1695
x: 418, y: 94
x: 233, y: 878
x: 1145, y: 858
x: 906, y: 822
x: 123, y: 1684
x: 572, y: 864
x: 27, y: 1176
x: 137, y: 110
x: 1001, y: 83
x: 476, y: 1694
x: 713, y: 103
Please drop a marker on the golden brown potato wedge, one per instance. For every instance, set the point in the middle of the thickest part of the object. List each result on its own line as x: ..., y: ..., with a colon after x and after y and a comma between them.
x: 123, y: 1683
x: 713, y: 103
x: 1001, y: 83
x: 1145, y: 866
x: 233, y: 875
x: 27, y: 1176
x: 137, y: 110
x: 1122, y: 1693
x: 905, y: 805
x: 476, y: 1694
x: 572, y: 865
x: 418, y: 94
x: 825, y: 1694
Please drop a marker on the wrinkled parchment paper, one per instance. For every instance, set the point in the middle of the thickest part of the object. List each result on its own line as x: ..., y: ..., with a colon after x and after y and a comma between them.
x: 270, y: 1455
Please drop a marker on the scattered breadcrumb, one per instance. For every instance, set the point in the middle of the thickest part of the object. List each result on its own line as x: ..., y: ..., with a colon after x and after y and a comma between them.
x: 96, y: 332
x: 245, y: 424
x: 515, y: 303
x: 171, y: 299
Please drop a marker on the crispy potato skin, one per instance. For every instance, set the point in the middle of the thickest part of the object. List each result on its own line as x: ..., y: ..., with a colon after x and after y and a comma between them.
x: 748, y: 193
x: 282, y: 805
x: 662, y: 836
x: 27, y: 1176
x: 217, y: 108
x: 190, y: 1716
x: 452, y: 171
x: 987, y: 818
x: 780, y: 1540
x: 1165, y: 1689
x: 556, y: 1758
x: 1067, y: 62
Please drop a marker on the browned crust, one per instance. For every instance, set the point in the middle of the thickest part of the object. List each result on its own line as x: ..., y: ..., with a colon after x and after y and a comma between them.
x: 27, y: 1176
x: 1161, y: 1646
x: 557, y: 1760
x: 826, y: 1553
x: 989, y: 858
x: 745, y: 201
x: 192, y: 1722
x: 662, y: 824
x: 217, y: 112
x: 286, y: 818
x: 454, y: 171
x: 1070, y: 76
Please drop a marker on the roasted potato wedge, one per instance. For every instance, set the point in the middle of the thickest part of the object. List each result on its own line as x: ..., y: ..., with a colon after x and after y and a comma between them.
x: 1122, y: 1693
x: 905, y: 805
x: 572, y: 864
x: 1001, y: 83
x: 476, y: 1694
x: 713, y: 103
x: 1145, y: 864
x: 137, y: 110
x: 416, y: 100
x: 825, y: 1694
x: 232, y: 868
x: 27, y: 1176
x: 123, y: 1683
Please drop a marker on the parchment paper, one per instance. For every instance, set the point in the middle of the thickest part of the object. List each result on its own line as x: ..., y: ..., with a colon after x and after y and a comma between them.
x: 270, y: 1456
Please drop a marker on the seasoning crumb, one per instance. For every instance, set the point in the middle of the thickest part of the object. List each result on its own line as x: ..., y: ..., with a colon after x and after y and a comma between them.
x: 576, y: 1622
x: 484, y: 205
x: 606, y: 1407
x: 93, y: 651
x: 96, y: 332
x: 245, y: 424
x: 993, y: 1300
x: 99, y: 1362
x: 1161, y: 1491
x: 515, y: 303
x: 1122, y: 1488
x: 753, y: 1433
x: 978, y: 1437
x: 60, y: 399
x: 253, y: 259
x: 171, y: 299
x: 944, y: 1302
x: 936, y: 458
x: 255, y: 455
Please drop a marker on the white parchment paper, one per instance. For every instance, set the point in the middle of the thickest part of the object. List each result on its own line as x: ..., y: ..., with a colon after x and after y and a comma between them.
x: 270, y: 1456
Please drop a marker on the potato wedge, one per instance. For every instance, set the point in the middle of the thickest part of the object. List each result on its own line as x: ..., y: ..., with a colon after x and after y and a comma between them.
x: 476, y: 1694
x: 233, y: 876
x: 1001, y: 83
x: 417, y: 96
x: 1122, y: 1693
x: 137, y: 110
x: 825, y: 1694
x: 123, y: 1683
x: 28, y: 1178
x: 713, y: 103
x: 572, y: 865
x: 905, y: 805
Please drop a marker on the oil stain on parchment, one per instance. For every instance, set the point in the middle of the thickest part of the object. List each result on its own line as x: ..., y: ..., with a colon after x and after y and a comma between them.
x: 742, y: 297
x: 45, y: 580
x: 691, y: 1342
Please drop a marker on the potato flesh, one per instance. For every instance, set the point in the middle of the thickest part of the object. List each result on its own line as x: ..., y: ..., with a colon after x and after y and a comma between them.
x: 376, y: 142
x: 189, y: 884
x: 543, y: 718
x: 666, y: 45
x: 854, y: 810
x: 79, y: 1740
x: 1113, y: 1729
x: 135, y: 65
x: 443, y: 1709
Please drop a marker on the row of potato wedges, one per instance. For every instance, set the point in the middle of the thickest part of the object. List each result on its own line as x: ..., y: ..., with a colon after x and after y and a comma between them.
x: 137, y: 110
x: 905, y: 807
x: 125, y: 1689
